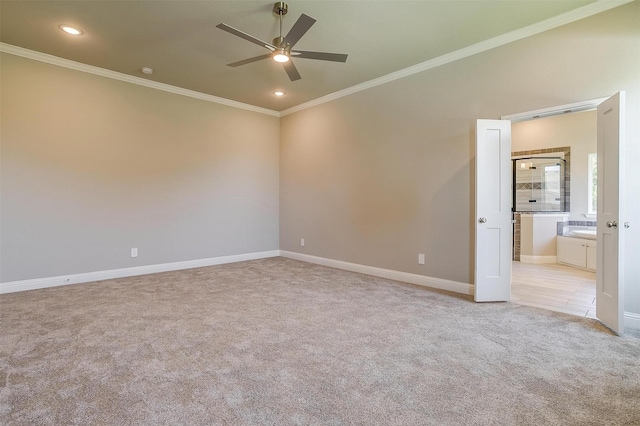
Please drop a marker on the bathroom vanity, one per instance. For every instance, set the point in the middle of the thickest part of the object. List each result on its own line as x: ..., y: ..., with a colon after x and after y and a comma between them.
x: 576, y: 251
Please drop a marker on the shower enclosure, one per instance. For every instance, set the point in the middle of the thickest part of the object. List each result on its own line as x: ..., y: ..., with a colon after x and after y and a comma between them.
x: 539, y: 184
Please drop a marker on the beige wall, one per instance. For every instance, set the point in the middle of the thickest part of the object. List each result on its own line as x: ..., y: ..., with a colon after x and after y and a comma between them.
x: 577, y: 131
x: 538, y: 235
x: 381, y: 175
x: 92, y: 167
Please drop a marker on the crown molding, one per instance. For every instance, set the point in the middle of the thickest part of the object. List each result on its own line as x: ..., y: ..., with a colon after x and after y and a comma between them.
x: 537, y: 28
x: 66, y: 63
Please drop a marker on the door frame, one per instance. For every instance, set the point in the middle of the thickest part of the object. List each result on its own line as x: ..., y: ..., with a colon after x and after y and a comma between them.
x: 588, y: 105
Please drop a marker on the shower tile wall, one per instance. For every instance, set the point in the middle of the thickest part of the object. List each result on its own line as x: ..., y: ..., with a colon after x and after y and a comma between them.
x: 539, y: 184
x: 567, y: 175
x: 567, y: 193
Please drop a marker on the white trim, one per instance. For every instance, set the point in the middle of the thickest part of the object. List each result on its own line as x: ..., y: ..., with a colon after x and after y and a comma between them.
x: 13, y: 286
x: 632, y: 320
x: 589, y: 105
x: 77, y: 66
x: 539, y: 27
x: 390, y: 274
x: 525, y: 258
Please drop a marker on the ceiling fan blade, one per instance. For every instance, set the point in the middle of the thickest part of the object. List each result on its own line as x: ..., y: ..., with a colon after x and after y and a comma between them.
x: 292, y: 71
x: 299, y: 29
x: 248, y: 61
x: 246, y: 36
x: 323, y: 56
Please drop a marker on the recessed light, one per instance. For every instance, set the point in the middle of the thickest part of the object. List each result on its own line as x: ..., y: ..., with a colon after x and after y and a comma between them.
x: 70, y: 30
x: 147, y: 70
x: 278, y: 93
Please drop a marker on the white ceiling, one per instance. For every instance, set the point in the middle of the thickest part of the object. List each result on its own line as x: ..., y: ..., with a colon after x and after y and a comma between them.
x: 180, y: 41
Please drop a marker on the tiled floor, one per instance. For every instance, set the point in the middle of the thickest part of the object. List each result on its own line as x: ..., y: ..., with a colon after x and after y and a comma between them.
x: 554, y: 287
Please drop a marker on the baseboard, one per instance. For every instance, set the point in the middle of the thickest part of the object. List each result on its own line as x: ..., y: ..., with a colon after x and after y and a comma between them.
x: 631, y: 320
x: 524, y: 258
x: 422, y: 280
x: 38, y: 283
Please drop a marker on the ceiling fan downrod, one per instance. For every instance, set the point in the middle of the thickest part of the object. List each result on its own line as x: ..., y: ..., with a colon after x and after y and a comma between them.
x: 280, y: 8
x: 282, y: 53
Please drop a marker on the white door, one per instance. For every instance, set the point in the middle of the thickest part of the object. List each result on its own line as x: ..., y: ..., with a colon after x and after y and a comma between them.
x: 493, y: 211
x: 609, y: 264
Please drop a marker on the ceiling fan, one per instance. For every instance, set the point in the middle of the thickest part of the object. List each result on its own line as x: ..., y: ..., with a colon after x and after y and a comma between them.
x: 282, y: 47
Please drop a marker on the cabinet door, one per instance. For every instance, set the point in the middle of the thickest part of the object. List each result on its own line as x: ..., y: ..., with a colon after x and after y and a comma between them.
x: 591, y: 256
x: 572, y: 251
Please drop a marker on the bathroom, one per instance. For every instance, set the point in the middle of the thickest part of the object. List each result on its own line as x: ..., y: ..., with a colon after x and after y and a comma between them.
x: 554, y: 193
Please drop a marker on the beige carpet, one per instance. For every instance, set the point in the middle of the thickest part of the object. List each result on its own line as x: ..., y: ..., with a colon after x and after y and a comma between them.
x: 281, y: 342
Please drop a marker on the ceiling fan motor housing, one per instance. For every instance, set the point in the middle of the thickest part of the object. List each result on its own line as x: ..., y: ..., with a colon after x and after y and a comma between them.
x: 280, y: 8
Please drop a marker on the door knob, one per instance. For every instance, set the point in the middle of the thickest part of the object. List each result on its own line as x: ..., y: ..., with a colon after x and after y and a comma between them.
x: 482, y: 220
x: 612, y: 224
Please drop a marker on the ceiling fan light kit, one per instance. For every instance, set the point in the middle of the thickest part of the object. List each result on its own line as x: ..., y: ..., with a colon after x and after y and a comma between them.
x: 281, y: 55
x: 281, y: 47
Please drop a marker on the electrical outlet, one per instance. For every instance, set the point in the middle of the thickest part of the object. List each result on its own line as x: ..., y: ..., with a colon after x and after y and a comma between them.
x: 134, y: 252
x: 302, y: 242
x: 421, y: 258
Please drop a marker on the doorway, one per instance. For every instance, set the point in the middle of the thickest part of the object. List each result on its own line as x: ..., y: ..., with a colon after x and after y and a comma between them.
x: 540, y: 277
x: 492, y: 270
